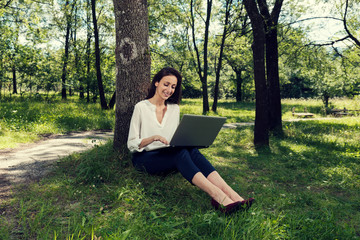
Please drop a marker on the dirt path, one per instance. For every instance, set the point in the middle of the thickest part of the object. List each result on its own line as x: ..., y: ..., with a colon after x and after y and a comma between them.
x: 32, y: 161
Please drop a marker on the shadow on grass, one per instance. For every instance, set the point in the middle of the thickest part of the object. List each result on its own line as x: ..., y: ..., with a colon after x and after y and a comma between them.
x: 292, y: 199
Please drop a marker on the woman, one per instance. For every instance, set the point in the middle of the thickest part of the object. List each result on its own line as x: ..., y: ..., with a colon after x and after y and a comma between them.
x: 152, y: 125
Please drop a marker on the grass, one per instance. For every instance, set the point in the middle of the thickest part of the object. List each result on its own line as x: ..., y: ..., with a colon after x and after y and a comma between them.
x: 306, y: 187
x: 24, y: 120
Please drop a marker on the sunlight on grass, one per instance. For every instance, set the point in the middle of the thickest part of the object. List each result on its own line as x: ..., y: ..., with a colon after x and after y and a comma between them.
x: 306, y: 187
x: 23, y: 121
x: 343, y: 176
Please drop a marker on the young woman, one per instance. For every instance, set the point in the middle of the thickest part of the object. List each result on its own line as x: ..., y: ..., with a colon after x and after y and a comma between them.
x: 152, y: 125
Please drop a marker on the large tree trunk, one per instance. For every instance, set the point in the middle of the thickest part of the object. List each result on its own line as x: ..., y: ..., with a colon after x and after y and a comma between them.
x: 97, y: 58
x: 132, y: 62
x: 261, y: 130
x: 219, y: 66
x: 272, y: 64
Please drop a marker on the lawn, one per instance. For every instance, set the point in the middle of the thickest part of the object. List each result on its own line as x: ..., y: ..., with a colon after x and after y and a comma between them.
x: 306, y: 187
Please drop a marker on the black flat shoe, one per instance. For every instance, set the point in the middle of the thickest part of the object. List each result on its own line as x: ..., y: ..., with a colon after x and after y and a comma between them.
x: 215, y: 204
x: 228, y: 209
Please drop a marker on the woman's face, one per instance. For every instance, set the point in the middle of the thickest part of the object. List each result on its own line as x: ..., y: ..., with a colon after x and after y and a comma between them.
x: 166, y: 87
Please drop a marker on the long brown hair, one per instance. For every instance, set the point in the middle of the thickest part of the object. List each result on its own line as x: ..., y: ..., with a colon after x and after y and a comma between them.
x: 167, y: 71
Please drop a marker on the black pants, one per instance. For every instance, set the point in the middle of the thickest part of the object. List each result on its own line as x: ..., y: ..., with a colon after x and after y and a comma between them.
x: 188, y: 161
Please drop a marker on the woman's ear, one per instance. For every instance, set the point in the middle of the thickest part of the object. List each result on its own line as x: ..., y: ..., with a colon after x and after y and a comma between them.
x: 156, y: 84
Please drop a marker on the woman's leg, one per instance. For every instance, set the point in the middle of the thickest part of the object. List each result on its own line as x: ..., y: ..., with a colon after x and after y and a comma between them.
x: 218, y: 181
x: 156, y: 162
x: 212, y: 175
x: 216, y: 193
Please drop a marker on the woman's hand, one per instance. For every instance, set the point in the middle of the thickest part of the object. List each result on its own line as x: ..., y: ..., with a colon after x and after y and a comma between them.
x: 160, y: 139
x: 149, y: 140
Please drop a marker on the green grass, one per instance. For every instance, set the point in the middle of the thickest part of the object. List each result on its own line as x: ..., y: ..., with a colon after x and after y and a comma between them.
x: 27, y: 119
x: 306, y: 187
x: 24, y: 120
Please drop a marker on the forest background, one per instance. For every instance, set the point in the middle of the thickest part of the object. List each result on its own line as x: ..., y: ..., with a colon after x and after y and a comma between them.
x: 48, y: 46
x: 307, y: 187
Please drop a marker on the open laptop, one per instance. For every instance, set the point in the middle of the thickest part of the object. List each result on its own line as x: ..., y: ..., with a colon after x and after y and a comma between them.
x: 197, y: 131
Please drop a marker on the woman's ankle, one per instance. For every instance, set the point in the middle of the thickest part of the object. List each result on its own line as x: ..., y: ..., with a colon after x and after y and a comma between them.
x: 223, y: 200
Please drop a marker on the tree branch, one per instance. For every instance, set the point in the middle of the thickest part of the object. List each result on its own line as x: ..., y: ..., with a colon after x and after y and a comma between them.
x: 331, y: 43
x: 6, y: 4
x: 357, y: 42
x: 312, y: 18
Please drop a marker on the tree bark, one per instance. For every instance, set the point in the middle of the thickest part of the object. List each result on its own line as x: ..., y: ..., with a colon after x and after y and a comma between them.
x: 261, y: 130
x: 97, y: 57
x: 132, y: 62
x: 272, y: 64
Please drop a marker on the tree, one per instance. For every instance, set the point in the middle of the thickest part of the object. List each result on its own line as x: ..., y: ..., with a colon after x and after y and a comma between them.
x: 202, y: 70
x: 68, y: 14
x: 132, y: 62
x: 272, y: 63
x: 261, y: 130
x: 97, y: 57
x: 228, y: 5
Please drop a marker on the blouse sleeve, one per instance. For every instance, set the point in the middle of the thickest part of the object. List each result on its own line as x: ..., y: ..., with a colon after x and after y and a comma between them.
x: 134, y: 131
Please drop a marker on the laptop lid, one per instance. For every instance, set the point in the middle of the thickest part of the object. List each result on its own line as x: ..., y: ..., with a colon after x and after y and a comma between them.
x: 197, y: 131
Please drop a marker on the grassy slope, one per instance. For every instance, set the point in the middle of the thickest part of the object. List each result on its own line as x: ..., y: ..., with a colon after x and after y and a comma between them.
x: 307, y: 187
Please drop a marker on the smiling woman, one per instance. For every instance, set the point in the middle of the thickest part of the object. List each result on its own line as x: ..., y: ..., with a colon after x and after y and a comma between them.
x: 153, y: 124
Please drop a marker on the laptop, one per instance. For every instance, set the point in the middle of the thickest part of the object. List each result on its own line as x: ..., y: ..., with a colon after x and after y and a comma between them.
x: 197, y: 131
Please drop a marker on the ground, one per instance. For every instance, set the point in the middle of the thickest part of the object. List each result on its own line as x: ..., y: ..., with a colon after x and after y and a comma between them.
x: 30, y: 162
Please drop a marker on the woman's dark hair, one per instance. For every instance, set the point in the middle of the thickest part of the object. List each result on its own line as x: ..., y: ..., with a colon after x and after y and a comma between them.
x: 167, y: 71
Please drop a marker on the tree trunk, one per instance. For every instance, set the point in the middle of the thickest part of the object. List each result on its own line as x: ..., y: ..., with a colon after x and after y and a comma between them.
x: 97, y: 58
x: 219, y: 66
x: 112, y: 101
x: 132, y: 62
x: 272, y: 64
x: 206, y: 63
x: 202, y: 71
x: 261, y: 130
x: 66, y: 54
x: 88, y: 51
x: 79, y: 73
x: 14, y: 79
x: 239, y: 82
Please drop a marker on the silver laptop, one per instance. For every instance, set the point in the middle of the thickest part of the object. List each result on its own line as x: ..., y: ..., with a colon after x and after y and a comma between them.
x: 197, y: 131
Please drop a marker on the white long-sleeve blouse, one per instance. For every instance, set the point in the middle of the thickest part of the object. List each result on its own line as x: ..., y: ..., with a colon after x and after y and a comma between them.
x: 144, y: 124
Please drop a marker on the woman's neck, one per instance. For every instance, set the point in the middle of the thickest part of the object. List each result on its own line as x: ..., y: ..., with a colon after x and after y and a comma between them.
x: 157, y: 101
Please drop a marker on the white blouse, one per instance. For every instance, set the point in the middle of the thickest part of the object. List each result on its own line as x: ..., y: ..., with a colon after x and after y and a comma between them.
x: 144, y: 124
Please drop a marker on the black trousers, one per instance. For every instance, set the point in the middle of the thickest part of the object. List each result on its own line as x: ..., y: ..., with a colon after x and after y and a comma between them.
x: 188, y: 161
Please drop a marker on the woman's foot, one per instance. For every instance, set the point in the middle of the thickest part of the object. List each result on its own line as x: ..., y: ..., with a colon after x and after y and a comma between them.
x: 232, y: 207
x: 227, y: 209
